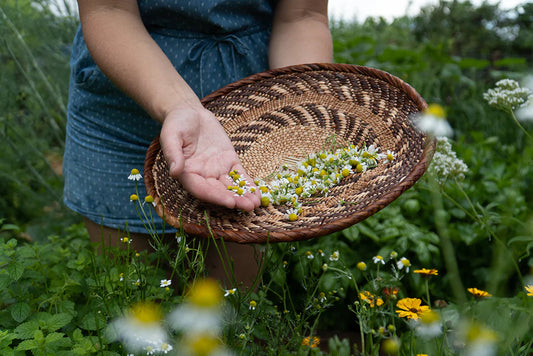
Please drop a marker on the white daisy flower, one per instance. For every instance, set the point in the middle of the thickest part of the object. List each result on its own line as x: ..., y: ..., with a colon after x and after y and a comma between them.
x: 135, y: 175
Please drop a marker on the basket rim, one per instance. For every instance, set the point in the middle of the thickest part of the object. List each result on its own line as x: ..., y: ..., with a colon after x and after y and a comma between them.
x: 241, y: 236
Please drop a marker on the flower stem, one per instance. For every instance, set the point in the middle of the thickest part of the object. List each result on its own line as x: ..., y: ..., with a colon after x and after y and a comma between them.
x: 446, y: 245
x: 519, y: 125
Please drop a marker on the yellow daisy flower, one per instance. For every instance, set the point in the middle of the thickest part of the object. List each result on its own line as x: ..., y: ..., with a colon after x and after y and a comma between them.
x: 478, y: 293
x: 311, y: 341
x: 529, y: 290
x: 427, y: 272
x: 410, y: 308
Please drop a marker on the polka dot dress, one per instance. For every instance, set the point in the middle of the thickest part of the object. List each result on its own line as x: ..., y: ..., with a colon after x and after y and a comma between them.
x: 211, y: 43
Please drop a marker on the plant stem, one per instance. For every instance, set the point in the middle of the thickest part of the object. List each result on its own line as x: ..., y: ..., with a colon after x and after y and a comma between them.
x: 446, y: 245
x: 519, y: 125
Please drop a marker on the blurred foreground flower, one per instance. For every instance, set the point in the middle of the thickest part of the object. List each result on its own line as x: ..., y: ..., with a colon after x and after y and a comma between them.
x: 529, y: 290
x: 201, y: 311
x: 140, y: 330
x: 525, y: 112
x: 477, y: 339
x: 429, y: 325
x: 433, y: 121
x: 199, y: 320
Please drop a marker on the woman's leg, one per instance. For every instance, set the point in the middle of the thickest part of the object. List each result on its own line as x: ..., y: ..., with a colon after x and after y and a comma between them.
x: 243, y: 258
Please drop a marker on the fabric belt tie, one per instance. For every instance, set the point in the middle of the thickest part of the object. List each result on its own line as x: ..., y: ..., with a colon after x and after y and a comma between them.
x: 205, y: 45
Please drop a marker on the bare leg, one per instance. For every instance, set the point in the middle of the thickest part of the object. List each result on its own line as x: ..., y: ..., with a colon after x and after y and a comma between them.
x: 242, y: 257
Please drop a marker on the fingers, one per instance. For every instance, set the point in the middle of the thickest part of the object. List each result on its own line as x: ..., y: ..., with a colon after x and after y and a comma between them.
x: 214, y: 191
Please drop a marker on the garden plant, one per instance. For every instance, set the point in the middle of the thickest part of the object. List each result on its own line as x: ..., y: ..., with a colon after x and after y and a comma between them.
x: 446, y: 269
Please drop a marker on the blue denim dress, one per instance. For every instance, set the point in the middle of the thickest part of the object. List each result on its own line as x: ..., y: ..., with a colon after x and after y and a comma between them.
x: 210, y: 42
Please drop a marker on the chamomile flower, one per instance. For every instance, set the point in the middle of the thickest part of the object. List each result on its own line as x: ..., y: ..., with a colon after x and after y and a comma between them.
x: 229, y: 292
x: 149, y: 200
x: 125, y: 240
x: 292, y: 214
x: 433, y: 121
x: 165, y: 283
x: 403, y: 263
x: 334, y: 256
x: 140, y: 329
x: 317, y: 174
x: 201, y: 311
x: 252, y: 305
x: 135, y: 175
x: 378, y: 259
x: 361, y: 266
x: 309, y: 255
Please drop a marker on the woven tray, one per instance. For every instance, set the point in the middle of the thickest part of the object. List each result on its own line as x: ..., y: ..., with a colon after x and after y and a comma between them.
x: 282, y: 115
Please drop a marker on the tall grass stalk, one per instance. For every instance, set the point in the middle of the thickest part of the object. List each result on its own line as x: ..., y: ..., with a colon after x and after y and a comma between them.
x: 27, y: 53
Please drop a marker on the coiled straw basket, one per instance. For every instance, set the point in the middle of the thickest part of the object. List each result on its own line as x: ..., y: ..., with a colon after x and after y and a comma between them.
x: 282, y: 115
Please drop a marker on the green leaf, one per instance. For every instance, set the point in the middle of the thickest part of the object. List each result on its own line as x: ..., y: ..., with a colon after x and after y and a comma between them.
x: 27, y: 345
x: 93, y: 321
x: 520, y: 239
x: 38, y: 335
x: 52, y: 337
x: 20, y: 311
x: 15, y: 270
x: 27, y: 329
x: 10, y: 227
x: 57, y: 321
x: 5, y: 281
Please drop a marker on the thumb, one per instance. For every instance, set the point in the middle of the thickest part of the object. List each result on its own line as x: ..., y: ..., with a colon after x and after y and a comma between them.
x: 172, y: 147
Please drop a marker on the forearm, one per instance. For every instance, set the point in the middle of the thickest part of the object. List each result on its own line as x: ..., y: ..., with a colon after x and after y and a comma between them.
x: 300, y: 34
x: 123, y: 49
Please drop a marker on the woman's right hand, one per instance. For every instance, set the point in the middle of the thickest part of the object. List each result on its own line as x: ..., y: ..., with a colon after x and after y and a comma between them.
x: 200, y: 155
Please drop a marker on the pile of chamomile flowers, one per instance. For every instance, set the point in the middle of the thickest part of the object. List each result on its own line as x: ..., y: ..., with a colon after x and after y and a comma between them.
x: 313, y: 176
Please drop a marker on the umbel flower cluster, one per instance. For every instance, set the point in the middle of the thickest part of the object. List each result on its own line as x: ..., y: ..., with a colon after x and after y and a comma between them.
x: 312, y: 176
x: 507, y: 95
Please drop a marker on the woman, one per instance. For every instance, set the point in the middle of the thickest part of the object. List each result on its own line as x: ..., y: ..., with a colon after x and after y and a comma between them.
x: 139, y: 69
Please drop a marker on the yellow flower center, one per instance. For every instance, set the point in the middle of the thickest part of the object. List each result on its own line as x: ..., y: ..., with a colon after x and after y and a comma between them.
x: 436, y: 110
x: 134, y: 171
x: 203, y: 345
x: 146, y: 313
x: 265, y: 201
x: 205, y: 293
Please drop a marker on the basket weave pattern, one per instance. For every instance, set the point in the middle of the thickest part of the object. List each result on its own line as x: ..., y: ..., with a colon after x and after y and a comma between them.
x: 279, y: 117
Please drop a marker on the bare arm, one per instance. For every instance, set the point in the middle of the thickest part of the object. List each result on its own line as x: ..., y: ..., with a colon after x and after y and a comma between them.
x: 300, y: 33
x: 194, y: 143
x: 123, y: 49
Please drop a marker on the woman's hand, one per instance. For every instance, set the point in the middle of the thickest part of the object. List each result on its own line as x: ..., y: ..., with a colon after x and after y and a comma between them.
x: 200, y: 156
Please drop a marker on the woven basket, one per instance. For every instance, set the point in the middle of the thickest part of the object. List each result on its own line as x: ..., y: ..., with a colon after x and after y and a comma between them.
x: 282, y: 115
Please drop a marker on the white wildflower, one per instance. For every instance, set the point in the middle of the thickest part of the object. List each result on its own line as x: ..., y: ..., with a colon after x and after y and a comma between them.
x: 445, y: 163
x: 507, y: 95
